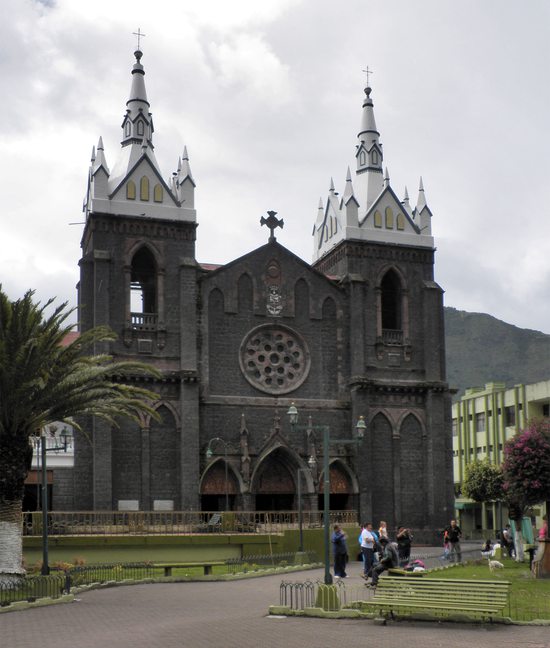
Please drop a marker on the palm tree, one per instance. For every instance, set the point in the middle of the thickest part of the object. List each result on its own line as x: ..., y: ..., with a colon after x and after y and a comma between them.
x: 43, y: 380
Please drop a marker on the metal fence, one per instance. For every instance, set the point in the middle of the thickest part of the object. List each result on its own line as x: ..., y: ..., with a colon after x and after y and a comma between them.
x: 177, y: 522
x: 31, y: 588
x: 259, y: 561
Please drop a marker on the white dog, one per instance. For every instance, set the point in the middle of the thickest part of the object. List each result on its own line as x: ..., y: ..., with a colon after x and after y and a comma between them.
x: 494, y: 564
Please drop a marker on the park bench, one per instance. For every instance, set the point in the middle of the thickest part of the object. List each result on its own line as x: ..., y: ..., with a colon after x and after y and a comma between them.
x: 206, y: 566
x: 440, y: 598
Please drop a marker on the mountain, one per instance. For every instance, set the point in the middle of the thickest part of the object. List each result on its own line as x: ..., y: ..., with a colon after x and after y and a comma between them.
x: 482, y: 349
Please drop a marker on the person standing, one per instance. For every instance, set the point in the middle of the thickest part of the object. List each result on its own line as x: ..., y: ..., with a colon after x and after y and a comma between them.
x: 454, y: 534
x: 367, y: 549
x: 340, y: 551
x: 508, y: 541
x: 383, y: 530
x: 404, y: 542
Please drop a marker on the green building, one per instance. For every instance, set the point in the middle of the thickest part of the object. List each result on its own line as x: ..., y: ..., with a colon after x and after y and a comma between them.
x: 482, y: 421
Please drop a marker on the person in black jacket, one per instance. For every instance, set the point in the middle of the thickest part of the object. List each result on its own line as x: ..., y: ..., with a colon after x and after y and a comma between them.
x: 388, y: 560
x: 454, y: 534
x: 340, y: 550
x: 404, y: 542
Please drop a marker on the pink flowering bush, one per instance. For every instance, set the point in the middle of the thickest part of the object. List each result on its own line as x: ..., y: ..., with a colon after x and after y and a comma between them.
x: 526, y: 467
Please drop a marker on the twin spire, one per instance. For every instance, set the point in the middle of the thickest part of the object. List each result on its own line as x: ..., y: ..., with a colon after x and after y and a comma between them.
x: 369, y: 209
x: 135, y: 186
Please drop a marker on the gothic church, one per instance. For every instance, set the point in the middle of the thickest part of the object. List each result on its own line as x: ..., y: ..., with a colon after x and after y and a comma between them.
x: 359, y: 332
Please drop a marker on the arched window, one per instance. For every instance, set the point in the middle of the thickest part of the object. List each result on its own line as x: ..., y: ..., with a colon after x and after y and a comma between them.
x: 128, y: 129
x: 143, y: 286
x: 144, y: 188
x: 391, y: 301
x: 140, y: 128
x: 400, y: 221
x: 362, y: 158
x: 377, y: 219
x: 131, y: 190
x: 158, y: 193
x: 374, y: 157
x: 389, y: 218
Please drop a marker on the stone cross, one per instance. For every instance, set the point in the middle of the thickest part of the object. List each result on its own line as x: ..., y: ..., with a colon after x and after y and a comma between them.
x: 368, y: 73
x: 272, y: 222
x: 139, y: 35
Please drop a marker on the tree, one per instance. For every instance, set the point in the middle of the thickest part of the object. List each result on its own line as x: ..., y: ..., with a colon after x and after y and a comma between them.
x: 43, y: 381
x: 526, y: 469
x: 483, y: 481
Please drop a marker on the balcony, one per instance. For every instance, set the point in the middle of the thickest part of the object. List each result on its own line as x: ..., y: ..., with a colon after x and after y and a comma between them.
x: 144, y: 321
x: 392, y: 336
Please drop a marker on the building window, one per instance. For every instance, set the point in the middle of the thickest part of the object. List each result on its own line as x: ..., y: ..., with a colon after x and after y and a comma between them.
x: 140, y: 128
x: 480, y: 422
x: 144, y: 188
x: 143, y: 289
x: 377, y: 219
x: 158, y: 193
x: 509, y: 416
x: 362, y: 158
x: 374, y: 157
x: 128, y: 129
x: 391, y: 301
x: 389, y: 218
x: 546, y: 409
x: 400, y: 221
x: 131, y: 190
x: 455, y: 427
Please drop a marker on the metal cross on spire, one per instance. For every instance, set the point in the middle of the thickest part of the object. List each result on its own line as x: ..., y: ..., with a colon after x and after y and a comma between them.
x: 368, y: 72
x: 139, y: 35
x: 272, y: 222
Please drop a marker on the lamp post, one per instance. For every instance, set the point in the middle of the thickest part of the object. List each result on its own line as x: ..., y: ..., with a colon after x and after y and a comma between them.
x: 64, y: 436
x: 209, y: 453
x: 311, y: 464
x: 360, y: 428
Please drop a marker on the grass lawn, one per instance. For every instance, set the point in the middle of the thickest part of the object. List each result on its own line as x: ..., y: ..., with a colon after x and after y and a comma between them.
x: 529, y: 596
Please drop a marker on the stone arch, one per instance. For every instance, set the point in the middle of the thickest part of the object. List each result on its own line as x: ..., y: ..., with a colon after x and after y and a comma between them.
x: 143, y: 281
x: 412, y: 463
x: 164, y: 452
x: 273, y: 480
x: 392, y: 304
x: 169, y: 406
x: 383, y: 499
x: 344, y: 486
x: 213, y: 485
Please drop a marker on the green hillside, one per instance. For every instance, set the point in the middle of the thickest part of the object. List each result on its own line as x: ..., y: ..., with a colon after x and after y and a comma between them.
x: 481, y: 349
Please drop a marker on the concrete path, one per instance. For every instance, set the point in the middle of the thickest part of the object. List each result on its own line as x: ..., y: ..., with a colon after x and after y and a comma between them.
x: 230, y: 615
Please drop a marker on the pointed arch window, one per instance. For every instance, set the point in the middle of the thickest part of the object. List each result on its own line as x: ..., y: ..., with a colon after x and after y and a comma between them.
x: 158, y: 193
x: 389, y: 218
x: 143, y: 289
x: 140, y: 130
x: 377, y: 219
x: 144, y: 188
x: 130, y: 190
x: 391, y: 297
x: 374, y: 157
x: 400, y: 221
x: 127, y: 129
x: 362, y: 158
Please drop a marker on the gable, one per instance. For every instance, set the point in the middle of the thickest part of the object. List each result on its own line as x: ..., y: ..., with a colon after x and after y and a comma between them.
x: 387, y: 213
x: 144, y: 168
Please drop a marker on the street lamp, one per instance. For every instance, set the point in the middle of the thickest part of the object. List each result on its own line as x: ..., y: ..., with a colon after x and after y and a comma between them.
x: 360, y: 428
x: 64, y: 437
x: 218, y: 441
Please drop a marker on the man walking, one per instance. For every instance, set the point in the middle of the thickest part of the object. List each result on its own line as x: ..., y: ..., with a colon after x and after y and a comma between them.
x: 454, y: 534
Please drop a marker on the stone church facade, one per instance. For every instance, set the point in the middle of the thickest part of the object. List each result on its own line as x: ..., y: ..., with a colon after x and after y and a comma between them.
x: 359, y: 332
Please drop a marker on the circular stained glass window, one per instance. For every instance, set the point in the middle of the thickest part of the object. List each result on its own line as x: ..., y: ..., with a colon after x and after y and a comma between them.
x: 274, y: 359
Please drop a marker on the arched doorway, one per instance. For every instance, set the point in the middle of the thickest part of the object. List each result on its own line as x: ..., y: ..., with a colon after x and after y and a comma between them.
x: 274, y: 485
x: 215, y: 490
x: 341, y: 490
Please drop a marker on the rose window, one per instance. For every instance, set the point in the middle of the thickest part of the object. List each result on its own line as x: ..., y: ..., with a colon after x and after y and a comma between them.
x: 274, y: 359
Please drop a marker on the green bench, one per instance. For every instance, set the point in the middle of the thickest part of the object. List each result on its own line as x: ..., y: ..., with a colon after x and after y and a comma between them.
x: 439, y: 598
x: 206, y: 566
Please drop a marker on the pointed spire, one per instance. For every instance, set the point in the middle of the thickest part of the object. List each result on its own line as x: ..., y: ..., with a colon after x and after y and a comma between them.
x: 369, y: 156
x: 348, y: 191
x: 184, y: 168
x: 99, y: 158
x: 92, y: 159
x: 331, y: 188
x: 421, y: 202
x: 386, y: 178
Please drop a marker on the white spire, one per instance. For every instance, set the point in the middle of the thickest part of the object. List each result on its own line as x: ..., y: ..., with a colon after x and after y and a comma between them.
x: 421, y: 202
x: 348, y: 191
x: 185, y: 185
x: 98, y: 159
x: 386, y: 178
x: 369, y: 156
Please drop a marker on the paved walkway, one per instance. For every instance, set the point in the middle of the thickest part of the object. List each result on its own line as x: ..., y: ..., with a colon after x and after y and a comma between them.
x: 230, y: 615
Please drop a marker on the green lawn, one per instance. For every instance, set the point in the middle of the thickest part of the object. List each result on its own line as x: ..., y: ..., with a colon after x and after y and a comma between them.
x: 529, y: 597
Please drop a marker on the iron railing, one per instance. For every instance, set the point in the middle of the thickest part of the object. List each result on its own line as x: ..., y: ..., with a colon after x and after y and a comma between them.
x: 30, y: 588
x: 265, y: 561
x: 177, y: 522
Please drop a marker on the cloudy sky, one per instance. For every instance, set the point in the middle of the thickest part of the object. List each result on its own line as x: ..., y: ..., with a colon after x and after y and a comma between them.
x: 267, y: 97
